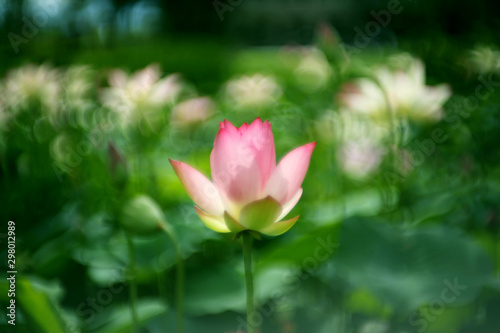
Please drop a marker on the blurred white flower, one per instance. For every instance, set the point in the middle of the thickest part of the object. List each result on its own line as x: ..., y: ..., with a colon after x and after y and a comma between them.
x: 364, y: 97
x: 484, y: 60
x: 313, y: 71
x: 355, y: 127
x: 360, y: 141
x: 402, y: 92
x: 361, y: 144
x: 192, y: 111
x: 360, y: 158
x: 32, y: 83
x: 409, y: 96
x: 75, y: 100
x: 78, y: 85
x: 144, y: 91
x: 253, y: 91
x: 337, y: 126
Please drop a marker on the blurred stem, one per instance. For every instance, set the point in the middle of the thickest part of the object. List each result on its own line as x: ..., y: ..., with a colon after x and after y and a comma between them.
x: 394, y: 149
x: 343, y: 199
x: 394, y: 136
x: 152, y: 176
x: 132, y: 284
x: 247, y: 257
x: 161, y: 279
x: 3, y: 164
x: 497, y: 256
x: 140, y: 171
x: 179, y: 276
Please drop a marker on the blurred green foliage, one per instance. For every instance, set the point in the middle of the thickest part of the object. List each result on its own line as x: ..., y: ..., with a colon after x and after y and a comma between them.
x: 397, y: 251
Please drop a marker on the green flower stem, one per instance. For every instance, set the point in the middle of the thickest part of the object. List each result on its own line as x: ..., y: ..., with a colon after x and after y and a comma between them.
x: 247, y: 256
x: 179, y: 276
x: 5, y: 171
x: 161, y: 278
x: 396, y: 140
x: 132, y: 284
x: 497, y: 257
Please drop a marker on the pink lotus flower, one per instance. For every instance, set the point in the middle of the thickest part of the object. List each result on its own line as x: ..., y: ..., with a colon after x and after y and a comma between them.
x: 248, y: 190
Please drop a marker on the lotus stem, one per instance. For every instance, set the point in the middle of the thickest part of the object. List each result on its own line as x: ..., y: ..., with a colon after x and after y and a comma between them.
x: 132, y: 284
x: 179, y: 276
x: 247, y: 257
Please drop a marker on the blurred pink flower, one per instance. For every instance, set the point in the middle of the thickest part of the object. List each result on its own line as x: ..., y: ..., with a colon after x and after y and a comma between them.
x: 192, y: 111
x: 248, y: 190
x: 360, y: 158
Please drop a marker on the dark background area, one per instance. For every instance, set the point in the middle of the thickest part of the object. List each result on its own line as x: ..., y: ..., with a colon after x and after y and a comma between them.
x: 135, y: 33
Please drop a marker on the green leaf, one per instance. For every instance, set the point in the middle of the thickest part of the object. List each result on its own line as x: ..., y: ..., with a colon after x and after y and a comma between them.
x: 119, y: 319
x: 406, y: 268
x: 319, y: 244
x: 39, y: 309
x: 362, y: 203
x: 215, y: 290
